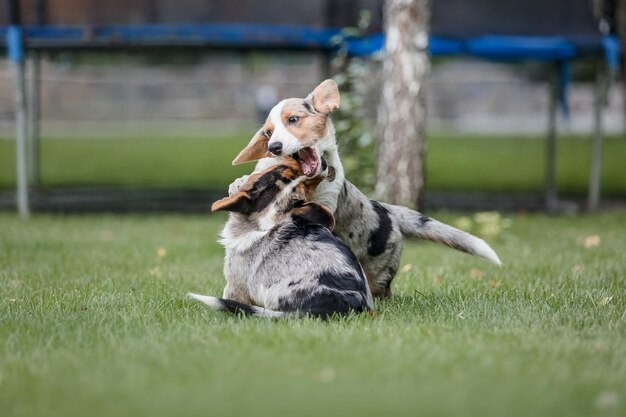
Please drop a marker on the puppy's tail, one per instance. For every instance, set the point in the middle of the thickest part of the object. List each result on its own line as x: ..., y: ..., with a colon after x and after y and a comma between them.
x: 413, y: 223
x: 234, y: 307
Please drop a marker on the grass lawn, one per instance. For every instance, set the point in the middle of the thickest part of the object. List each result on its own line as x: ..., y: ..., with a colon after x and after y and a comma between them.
x: 93, y: 322
x: 453, y: 162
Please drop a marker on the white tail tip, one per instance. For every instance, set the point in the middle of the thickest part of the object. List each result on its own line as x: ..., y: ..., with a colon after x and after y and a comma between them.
x: 484, y: 250
x: 213, y: 302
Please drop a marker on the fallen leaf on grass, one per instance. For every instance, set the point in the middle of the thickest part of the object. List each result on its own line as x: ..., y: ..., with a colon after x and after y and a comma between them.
x: 161, y: 252
x: 591, y: 241
x: 487, y: 217
x: 491, y: 223
x: 493, y: 283
x: 406, y: 268
x: 606, y: 300
x: 461, y: 315
x: 463, y: 223
x: 155, y: 272
x: 490, y: 230
x: 438, y: 279
x: 476, y: 273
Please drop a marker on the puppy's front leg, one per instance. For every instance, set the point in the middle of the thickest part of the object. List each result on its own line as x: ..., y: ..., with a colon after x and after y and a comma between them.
x: 234, y: 187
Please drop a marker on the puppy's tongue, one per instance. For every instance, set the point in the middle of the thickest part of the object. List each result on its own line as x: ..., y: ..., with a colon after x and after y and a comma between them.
x: 308, y: 161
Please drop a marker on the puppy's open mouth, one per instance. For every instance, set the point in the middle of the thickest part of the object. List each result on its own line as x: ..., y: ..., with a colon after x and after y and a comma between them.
x: 309, y: 161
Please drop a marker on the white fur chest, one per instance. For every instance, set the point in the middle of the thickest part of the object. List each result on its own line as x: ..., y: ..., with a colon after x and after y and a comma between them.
x: 327, y: 193
x: 236, y: 240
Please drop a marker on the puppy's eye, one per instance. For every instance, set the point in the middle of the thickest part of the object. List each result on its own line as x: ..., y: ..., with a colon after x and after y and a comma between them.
x: 268, y: 133
x: 293, y: 120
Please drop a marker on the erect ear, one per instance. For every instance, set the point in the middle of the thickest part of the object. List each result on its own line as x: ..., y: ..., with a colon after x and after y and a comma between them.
x: 315, y: 213
x: 256, y: 149
x: 238, y: 203
x: 325, y: 97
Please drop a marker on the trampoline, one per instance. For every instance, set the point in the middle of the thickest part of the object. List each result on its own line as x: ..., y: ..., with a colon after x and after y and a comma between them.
x: 500, y: 30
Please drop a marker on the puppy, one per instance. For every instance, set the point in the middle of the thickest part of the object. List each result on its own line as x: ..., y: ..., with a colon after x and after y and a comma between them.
x: 281, y: 257
x: 302, y: 129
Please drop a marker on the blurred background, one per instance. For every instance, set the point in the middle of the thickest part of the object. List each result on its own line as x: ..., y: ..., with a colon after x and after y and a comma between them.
x: 141, y: 105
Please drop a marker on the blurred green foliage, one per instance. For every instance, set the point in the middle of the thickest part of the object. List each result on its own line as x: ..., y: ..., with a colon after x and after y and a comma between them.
x: 355, y: 136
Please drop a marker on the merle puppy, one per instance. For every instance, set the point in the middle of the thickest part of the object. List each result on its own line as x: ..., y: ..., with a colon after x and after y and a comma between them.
x: 281, y: 256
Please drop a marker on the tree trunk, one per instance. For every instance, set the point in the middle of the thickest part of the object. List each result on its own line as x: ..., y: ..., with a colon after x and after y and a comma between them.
x: 402, y: 112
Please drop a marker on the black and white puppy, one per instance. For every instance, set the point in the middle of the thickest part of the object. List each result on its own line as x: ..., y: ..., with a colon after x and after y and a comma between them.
x: 281, y: 256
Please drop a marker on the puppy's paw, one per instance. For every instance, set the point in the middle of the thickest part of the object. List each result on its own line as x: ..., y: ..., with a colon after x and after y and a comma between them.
x: 234, y: 187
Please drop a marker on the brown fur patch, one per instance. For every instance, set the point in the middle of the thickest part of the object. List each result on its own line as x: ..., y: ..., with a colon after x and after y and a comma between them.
x: 238, y: 202
x: 261, y: 190
x: 311, y: 185
x: 312, y: 114
x: 316, y: 213
x: 310, y: 126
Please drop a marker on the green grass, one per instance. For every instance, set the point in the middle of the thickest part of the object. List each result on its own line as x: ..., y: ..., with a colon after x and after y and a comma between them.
x: 467, y: 163
x: 517, y: 163
x: 138, y: 161
x: 94, y: 323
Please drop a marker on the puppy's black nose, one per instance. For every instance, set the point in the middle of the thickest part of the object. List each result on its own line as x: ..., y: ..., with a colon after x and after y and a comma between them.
x: 276, y: 148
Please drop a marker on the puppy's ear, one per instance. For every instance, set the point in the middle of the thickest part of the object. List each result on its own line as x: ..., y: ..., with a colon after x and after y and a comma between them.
x: 310, y: 185
x: 238, y: 203
x: 256, y: 149
x: 325, y: 97
x: 315, y: 213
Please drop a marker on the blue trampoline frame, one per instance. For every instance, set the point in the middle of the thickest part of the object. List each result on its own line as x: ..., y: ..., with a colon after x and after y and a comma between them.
x: 289, y: 37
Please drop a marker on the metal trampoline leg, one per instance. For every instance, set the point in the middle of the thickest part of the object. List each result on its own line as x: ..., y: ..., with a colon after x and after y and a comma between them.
x: 595, y: 168
x: 33, y: 118
x: 550, y: 179
x: 16, y: 56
